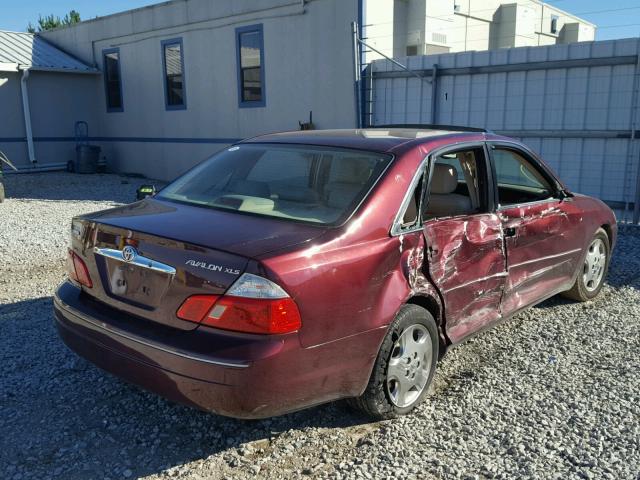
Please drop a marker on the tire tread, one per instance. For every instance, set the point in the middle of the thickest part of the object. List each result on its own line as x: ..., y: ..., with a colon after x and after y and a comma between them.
x: 577, y: 292
x: 373, y: 401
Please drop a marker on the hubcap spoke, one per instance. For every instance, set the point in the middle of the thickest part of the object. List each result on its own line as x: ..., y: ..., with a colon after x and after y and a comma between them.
x: 403, y: 390
x: 396, y: 370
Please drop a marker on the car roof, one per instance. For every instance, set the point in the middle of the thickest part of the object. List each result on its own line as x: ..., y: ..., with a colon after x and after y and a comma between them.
x: 378, y: 139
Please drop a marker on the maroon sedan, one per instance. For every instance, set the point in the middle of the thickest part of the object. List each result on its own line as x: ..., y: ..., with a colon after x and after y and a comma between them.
x: 298, y: 268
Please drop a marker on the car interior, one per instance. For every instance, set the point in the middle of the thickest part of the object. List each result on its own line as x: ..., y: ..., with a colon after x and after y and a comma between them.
x: 296, y: 183
x: 455, y: 189
x: 518, y: 180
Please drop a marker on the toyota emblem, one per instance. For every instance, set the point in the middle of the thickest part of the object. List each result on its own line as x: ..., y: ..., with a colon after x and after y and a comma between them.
x: 129, y: 253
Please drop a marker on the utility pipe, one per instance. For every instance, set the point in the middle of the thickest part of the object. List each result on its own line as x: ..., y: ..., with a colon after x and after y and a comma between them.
x: 27, y: 115
x: 434, y: 94
x: 53, y: 167
x: 356, y: 72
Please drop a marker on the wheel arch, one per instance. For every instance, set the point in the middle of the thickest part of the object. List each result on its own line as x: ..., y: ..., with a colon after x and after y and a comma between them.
x: 607, y: 229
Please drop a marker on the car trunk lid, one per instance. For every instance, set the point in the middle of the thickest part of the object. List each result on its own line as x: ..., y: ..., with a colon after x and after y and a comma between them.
x: 148, y: 257
x: 229, y: 231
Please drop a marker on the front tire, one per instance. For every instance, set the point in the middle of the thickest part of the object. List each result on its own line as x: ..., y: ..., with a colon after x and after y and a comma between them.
x: 405, y: 365
x: 593, y: 270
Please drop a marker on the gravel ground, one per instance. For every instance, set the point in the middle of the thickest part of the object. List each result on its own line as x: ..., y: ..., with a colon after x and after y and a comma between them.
x: 554, y: 393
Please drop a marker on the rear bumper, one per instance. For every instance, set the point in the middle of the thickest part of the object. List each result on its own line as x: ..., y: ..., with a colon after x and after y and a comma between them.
x: 236, y: 375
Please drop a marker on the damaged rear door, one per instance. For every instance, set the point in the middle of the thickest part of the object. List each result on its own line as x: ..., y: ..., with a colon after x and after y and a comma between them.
x: 465, y: 254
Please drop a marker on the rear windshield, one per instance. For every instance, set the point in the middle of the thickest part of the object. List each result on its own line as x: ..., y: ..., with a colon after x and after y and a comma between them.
x: 297, y: 182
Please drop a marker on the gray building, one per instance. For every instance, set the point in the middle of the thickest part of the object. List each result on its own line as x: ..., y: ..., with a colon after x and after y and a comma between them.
x: 43, y: 91
x: 182, y: 79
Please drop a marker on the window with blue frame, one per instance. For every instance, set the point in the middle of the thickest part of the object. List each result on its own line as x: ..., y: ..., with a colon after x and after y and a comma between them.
x: 173, y: 66
x: 112, y: 79
x: 250, y: 53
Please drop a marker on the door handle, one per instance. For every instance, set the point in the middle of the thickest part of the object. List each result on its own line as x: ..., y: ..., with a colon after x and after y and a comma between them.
x: 509, y: 231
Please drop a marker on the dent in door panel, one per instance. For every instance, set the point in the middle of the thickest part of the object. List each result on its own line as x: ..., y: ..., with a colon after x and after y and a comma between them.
x: 467, y: 263
x: 542, y: 254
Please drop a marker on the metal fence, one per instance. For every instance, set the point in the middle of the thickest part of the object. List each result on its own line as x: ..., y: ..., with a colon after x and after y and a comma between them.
x: 575, y: 104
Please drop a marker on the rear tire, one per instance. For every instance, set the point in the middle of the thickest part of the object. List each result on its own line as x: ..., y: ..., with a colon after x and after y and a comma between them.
x: 593, y: 270
x: 405, y: 365
x: 1, y: 192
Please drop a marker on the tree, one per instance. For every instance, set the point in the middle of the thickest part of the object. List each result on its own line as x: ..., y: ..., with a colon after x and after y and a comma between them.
x: 50, y: 22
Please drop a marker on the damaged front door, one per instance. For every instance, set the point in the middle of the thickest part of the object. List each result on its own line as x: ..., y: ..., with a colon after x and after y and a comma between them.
x: 543, y: 236
x: 464, y: 245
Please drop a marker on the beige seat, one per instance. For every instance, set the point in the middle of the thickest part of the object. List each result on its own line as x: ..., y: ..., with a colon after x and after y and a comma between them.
x: 442, y: 200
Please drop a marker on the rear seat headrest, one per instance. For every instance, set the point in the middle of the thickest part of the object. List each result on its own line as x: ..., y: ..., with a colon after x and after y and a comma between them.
x: 444, y: 179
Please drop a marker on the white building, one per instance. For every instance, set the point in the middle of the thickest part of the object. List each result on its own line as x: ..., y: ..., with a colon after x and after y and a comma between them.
x: 401, y: 28
x: 171, y: 83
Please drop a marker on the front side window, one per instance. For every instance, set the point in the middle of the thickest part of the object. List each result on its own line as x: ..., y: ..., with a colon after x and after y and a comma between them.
x: 295, y: 182
x: 173, y: 62
x: 112, y: 79
x: 250, y: 52
x: 518, y: 180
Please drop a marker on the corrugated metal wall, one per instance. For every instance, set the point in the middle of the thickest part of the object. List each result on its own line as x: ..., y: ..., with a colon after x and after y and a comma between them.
x: 575, y: 104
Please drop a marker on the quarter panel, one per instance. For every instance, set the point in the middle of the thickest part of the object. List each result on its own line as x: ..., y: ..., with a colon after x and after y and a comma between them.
x: 355, y: 278
x: 350, y: 289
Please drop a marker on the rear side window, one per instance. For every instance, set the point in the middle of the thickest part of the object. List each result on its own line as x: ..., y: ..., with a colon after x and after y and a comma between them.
x: 458, y: 185
x: 296, y: 182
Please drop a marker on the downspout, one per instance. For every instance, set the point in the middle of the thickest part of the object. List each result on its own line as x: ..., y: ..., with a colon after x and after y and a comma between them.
x: 27, y: 115
x: 356, y: 73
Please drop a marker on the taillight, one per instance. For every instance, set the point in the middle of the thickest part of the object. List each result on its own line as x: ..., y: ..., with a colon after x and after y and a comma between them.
x: 78, y: 270
x: 254, y: 315
x: 253, y: 304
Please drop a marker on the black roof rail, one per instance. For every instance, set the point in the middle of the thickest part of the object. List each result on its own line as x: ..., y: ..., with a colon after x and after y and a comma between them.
x: 426, y: 126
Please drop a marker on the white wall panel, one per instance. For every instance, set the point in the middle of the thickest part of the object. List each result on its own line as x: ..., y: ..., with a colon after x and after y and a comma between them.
x: 577, y: 117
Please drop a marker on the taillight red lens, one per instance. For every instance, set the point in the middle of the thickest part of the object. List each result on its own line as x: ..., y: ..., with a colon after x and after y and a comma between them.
x: 196, y: 307
x: 250, y: 315
x: 78, y: 270
x: 255, y: 315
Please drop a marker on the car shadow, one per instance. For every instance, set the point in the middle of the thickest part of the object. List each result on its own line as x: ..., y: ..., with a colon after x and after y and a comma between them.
x: 63, y: 414
x: 64, y: 186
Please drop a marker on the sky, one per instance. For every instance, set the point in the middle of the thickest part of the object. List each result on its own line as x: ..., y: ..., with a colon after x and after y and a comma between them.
x: 16, y: 15
x: 614, y: 18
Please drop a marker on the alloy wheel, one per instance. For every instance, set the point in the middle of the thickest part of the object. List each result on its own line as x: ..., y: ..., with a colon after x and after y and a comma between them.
x: 594, y: 265
x: 409, y: 366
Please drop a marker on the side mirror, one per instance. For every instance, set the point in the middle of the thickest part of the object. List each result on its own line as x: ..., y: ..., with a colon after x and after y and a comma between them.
x: 145, y: 191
